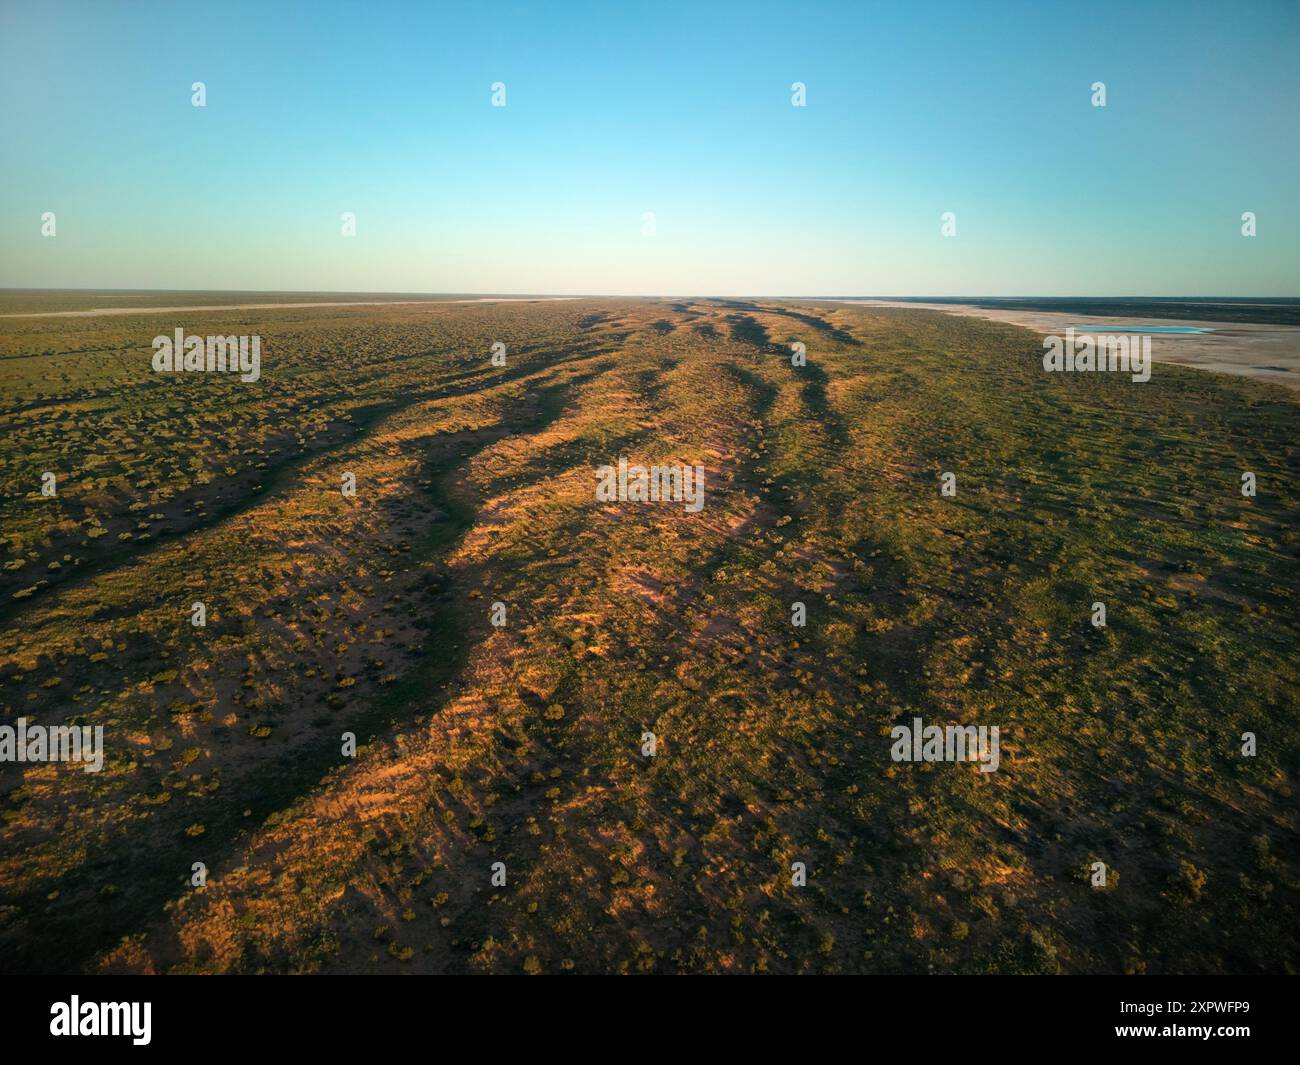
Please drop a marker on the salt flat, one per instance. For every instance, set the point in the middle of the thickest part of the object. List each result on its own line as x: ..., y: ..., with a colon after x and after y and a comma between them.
x: 1267, y: 352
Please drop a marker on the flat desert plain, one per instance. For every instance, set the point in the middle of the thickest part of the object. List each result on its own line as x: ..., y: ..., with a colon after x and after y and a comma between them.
x: 473, y: 716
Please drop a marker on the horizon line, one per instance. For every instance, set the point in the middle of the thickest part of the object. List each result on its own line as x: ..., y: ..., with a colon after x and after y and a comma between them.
x: 647, y: 295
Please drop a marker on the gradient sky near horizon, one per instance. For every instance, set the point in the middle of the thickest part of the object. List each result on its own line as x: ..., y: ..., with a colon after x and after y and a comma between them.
x: 683, y: 110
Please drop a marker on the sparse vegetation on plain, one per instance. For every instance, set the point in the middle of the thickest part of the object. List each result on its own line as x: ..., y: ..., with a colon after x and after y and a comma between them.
x: 522, y: 744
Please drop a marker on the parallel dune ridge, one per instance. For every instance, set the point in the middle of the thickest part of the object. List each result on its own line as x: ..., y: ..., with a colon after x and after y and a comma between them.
x: 521, y: 744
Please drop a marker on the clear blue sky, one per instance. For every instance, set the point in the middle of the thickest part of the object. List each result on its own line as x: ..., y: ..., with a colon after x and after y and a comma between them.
x: 615, y: 109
